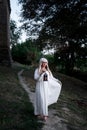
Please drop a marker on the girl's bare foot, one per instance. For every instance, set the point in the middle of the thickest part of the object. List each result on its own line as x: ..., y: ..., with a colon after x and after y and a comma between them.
x: 45, y: 118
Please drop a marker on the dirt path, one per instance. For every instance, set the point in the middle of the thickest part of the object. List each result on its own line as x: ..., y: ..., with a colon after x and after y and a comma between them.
x: 54, y: 122
x: 26, y: 88
x: 68, y: 118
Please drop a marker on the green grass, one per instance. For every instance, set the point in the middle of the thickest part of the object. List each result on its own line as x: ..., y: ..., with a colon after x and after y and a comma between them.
x: 68, y: 109
x: 74, y: 115
x: 16, y: 112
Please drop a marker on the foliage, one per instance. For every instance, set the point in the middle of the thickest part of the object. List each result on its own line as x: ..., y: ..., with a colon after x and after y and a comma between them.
x: 25, y: 53
x: 60, y: 21
x: 61, y: 18
x: 14, y: 33
x: 63, y: 57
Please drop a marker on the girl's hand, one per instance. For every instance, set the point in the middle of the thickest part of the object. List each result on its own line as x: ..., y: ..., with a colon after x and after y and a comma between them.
x: 43, y: 69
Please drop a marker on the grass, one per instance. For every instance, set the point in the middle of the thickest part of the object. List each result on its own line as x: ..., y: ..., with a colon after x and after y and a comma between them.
x: 16, y: 112
x: 72, y: 103
x: 74, y: 115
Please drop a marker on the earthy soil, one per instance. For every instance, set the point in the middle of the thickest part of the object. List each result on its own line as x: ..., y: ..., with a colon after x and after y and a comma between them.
x: 70, y: 112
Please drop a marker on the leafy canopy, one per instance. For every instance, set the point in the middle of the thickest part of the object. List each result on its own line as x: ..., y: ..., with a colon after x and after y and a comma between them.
x: 62, y: 18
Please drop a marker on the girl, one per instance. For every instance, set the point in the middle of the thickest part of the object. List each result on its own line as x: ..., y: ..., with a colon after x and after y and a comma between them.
x: 47, y: 89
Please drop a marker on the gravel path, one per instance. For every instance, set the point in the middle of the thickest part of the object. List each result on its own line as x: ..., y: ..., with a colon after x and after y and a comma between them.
x: 53, y: 122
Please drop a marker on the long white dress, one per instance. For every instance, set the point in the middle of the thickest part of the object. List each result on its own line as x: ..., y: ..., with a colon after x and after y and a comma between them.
x: 46, y: 92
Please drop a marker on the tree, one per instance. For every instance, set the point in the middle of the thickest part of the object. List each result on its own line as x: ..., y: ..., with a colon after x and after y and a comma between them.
x: 61, y: 21
x: 14, y: 33
x: 56, y: 15
x: 25, y: 53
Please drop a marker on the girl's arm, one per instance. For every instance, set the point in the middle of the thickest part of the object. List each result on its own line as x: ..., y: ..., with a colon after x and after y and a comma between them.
x: 38, y: 75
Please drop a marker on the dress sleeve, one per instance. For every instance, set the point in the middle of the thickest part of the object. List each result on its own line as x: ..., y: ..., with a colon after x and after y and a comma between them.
x: 57, y: 80
x: 36, y: 74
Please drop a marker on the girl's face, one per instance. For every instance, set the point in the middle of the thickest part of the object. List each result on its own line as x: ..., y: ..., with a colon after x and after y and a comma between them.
x: 44, y: 64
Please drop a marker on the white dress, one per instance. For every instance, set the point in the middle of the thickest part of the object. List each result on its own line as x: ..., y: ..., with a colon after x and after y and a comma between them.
x: 46, y: 92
